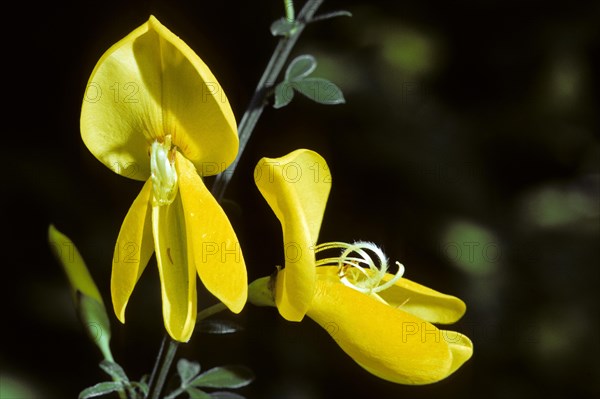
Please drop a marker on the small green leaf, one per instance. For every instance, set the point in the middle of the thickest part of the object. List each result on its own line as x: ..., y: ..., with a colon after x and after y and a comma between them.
x: 197, y: 394
x: 212, y: 326
x: 114, y: 370
x: 283, y: 27
x: 224, y: 377
x: 300, y: 67
x: 226, y: 395
x: 284, y: 93
x: 187, y: 370
x: 320, y: 90
x: 100, y: 389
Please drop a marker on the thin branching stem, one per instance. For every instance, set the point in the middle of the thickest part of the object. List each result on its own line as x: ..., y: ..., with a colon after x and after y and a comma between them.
x: 267, y: 81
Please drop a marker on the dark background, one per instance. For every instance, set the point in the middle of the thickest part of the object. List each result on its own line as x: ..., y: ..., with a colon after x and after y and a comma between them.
x: 468, y: 149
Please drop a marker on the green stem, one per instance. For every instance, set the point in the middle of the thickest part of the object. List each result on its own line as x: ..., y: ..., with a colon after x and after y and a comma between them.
x: 289, y: 10
x: 162, y: 366
x: 259, y: 99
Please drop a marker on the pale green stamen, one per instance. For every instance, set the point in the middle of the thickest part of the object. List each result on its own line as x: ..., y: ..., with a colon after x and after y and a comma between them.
x: 360, y: 272
x: 164, y: 174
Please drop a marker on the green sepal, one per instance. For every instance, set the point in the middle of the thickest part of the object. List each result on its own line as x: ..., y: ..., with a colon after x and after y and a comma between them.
x: 102, y: 388
x: 224, y: 377
x: 260, y: 292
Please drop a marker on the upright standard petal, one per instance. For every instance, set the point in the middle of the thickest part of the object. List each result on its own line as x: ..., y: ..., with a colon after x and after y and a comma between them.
x: 133, y: 250
x: 296, y: 187
x: 176, y: 272
x: 146, y: 86
x: 387, y: 342
x: 212, y: 242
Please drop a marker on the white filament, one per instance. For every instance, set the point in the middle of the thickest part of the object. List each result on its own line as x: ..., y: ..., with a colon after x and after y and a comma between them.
x: 360, y: 271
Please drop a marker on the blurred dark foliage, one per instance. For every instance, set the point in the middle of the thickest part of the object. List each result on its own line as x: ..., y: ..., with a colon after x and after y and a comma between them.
x: 469, y: 149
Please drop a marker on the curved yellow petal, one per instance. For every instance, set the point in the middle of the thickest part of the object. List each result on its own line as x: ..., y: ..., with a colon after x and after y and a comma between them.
x: 413, y: 298
x: 461, y: 347
x: 212, y: 242
x: 146, y: 86
x: 387, y: 342
x: 175, y: 268
x: 423, y: 302
x: 133, y: 250
x: 296, y: 187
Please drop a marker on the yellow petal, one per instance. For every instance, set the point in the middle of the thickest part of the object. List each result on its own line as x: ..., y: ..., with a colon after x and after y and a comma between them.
x: 146, y: 86
x: 212, y: 242
x: 387, y: 342
x: 461, y: 347
x: 133, y: 249
x: 423, y: 302
x: 175, y: 268
x: 413, y: 298
x: 70, y: 259
x: 296, y: 187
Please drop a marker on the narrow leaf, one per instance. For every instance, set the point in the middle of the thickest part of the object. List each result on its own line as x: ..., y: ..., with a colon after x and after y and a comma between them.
x: 114, y: 370
x: 187, y: 370
x: 212, y: 326
x: 94, y: 318
x: 300, y: 67
x: 100, y: 389
x: 224, y: 377
x: 320, y: 90
x: 284, y: 92
x: 329, y: 15
x: 197, y: 394
x: 88, y: 301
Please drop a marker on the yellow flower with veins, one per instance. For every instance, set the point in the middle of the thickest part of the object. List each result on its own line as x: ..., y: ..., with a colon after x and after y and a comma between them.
x: 383, y: 321
x: 153, y: 111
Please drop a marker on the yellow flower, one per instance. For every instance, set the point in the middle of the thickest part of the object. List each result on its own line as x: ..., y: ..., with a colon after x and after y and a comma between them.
x: 383, y: 321
x: 153, y: 111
